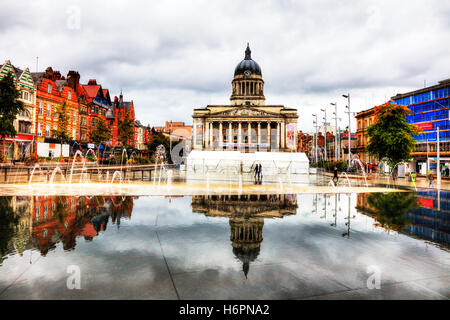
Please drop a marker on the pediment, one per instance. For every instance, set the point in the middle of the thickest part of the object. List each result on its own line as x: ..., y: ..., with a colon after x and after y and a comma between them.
x: 244, y: 112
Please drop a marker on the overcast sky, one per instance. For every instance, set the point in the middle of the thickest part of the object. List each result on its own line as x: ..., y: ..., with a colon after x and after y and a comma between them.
x: 173, y: 56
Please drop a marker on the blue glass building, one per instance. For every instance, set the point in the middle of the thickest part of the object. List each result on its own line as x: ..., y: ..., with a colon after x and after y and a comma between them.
x: 430, y: 109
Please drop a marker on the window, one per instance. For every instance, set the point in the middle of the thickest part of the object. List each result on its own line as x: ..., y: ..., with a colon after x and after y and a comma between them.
x: 41, y: 108
x: 47, y: 131
x: 49, y: 109
x: 55, y: 114
x: 40, y: 130
x: 73, y: 133
x: 49, y: 88
x: 74, y: 117
x: 69, y: 95
x: 55, y: 127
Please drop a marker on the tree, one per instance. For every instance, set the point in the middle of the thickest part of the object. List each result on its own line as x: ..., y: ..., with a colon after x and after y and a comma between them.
x: 391, y: 138
x: 125, y: 130
x: 63, y: 122
x: 10, y: 107
x: 100, y: 134
x: 391, y: 208
x: 158, y: 139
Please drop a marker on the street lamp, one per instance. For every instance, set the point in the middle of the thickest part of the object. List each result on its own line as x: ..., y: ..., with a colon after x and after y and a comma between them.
x: 347, y: 96
x: 325, y: 130
x: 315, y: 147
x: 335, y: 129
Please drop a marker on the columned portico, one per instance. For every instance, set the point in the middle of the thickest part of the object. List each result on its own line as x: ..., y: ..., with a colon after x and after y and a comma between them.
x: 247, y: 124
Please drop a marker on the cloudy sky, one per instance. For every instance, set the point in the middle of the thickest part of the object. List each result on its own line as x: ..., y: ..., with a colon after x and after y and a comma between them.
x: 173, y: 56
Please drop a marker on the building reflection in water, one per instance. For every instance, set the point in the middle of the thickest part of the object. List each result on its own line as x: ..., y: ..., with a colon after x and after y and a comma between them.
x: 424, y: 215
x: 246, y: 215
x: 40, y: 222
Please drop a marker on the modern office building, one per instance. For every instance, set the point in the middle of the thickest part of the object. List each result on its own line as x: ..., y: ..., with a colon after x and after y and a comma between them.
x: 430, y: 111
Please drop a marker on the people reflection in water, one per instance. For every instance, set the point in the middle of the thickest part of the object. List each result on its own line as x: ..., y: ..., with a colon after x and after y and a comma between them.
x: 41, y: 222
x: 246, y: 215
x: 258, y: 173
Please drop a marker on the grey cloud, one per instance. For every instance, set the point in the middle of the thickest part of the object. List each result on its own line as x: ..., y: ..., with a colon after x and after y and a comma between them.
x: 307, y: 50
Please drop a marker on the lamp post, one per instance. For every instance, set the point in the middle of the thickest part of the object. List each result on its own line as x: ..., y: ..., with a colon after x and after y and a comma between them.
x: 335, y: 129
x: 315, y: 147
x: 349, y: 127
x: 325, y: 131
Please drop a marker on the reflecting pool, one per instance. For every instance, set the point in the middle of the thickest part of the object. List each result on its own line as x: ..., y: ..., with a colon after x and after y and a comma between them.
x: 231, y: 246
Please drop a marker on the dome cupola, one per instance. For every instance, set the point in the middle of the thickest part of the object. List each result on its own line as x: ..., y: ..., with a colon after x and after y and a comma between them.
x: 247, y: 85
x: 248, y: 64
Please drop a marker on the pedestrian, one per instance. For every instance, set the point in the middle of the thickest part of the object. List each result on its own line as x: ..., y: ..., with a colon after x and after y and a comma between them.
x: 256, y: 172
x: 430, y: 178
x: 260, y: 173
x: 335, y: 175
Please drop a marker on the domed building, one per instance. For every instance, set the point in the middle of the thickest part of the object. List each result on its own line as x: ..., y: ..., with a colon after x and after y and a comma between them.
x: 247, y: 124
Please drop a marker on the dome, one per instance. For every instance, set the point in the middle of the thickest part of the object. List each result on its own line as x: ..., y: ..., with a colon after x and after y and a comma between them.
x: 247, y: 64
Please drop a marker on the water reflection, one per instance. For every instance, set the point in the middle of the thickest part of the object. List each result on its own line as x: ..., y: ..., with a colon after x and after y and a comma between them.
x: 42, y: 222
x: 246, y: 215
x: 425, y: 214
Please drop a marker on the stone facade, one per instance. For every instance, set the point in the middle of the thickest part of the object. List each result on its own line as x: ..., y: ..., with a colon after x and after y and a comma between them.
x: 247, y: 124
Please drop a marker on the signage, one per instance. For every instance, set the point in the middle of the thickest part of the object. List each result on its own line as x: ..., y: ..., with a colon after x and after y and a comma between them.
x: 425, y: 126
x: 426, y: 203
x: 290, y: 135
x: 91, y: 146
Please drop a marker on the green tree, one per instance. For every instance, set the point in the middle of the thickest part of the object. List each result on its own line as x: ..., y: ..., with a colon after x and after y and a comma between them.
x: 100, y: 134
x: 10, y: 107
x: 8, y: 222
x: 158, y: 139
x: 391, y: 138
x: 390, y: 208
x: 125, y: 130
x: 62, y: 133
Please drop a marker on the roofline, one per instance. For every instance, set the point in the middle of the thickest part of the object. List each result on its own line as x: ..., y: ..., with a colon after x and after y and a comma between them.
x: 441, y: 84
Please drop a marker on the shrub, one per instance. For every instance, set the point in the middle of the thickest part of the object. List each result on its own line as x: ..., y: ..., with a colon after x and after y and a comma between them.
x: 31, y: 159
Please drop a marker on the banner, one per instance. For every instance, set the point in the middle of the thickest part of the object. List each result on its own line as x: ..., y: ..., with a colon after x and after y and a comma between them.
x: 290, y: 135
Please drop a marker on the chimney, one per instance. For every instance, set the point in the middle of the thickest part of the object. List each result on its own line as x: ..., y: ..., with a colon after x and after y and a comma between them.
x: 92, y: 82
x: 73, y: 79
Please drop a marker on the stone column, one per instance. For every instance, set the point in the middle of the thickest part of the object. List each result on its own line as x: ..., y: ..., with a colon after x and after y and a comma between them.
x: 259, y: 135
x: 211, y: 134
x: 204, y: 134
x: 283, y: 135
x: 278, y: 135
x: 249, y: 133
x: 221, y: 135
x: 268, y: 135
x: 240, y: 134
x: 230, y: 134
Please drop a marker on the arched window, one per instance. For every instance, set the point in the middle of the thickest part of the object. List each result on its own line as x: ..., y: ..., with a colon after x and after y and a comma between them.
x: 25, y: 113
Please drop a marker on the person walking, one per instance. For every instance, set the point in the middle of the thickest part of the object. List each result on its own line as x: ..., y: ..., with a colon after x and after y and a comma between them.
x: 260, y: 173
x: 430, y: 178
x: 335, y: 175
x: 256, y: 172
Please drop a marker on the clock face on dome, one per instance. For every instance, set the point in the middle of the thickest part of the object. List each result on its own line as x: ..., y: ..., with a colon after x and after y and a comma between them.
x: 247, y: 73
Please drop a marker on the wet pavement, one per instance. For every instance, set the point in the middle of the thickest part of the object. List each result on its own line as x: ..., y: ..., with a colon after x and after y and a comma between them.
x: 248, y: 246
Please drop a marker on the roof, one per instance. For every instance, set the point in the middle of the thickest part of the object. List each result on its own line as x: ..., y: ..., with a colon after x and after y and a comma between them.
x: 247, y: 64
x: 441, y: 84
x: 37, y: 77
x: 91, y: 90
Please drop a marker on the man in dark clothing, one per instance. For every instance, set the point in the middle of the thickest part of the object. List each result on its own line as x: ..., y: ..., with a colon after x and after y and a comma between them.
x: 260, y: 174
x: 256, y: 172
x: 335, y: 175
